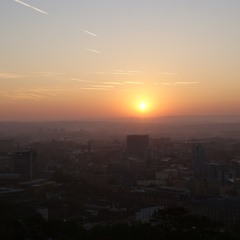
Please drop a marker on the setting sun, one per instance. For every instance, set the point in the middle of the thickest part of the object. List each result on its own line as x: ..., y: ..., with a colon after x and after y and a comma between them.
x: 142, y: 106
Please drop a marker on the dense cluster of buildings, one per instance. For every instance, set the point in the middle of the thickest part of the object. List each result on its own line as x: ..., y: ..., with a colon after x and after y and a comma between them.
x: 127, y: 179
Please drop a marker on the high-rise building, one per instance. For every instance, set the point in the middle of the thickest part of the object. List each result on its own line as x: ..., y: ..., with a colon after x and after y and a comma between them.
x: 198, y: 160
x: 6, y: 162
x: 137, y: 145
x: 25, y: 163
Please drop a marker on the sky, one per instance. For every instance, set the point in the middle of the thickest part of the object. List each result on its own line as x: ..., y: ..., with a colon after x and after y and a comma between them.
x: 84, y: 59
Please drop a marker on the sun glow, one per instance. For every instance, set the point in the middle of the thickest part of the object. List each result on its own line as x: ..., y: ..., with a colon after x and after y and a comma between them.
x: 142, y: 106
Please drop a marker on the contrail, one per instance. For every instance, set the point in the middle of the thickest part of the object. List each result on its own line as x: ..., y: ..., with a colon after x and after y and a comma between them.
x: 90, y: 33
x: 92, y: 50
x: 27, y: 5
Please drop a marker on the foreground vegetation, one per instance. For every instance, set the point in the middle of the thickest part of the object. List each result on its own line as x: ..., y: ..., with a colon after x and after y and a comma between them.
x: 167, y: 224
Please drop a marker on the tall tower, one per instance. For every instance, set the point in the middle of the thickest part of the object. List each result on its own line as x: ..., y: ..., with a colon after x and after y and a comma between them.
x: 198, y: 160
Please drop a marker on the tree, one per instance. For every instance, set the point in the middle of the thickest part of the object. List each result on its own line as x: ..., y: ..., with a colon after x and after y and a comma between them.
x: 180, y: 224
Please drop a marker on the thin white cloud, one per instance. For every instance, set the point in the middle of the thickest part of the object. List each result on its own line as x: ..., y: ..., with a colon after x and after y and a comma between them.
x: 93, y: 50
x: 79, y: 80
x: 89, y: 33
x: 118, y: 72
x: 49, y: 73
x: 30, y: 96
x: 187, y: 83
x: 134, y: 82
x: 27, y: 94
x: 43, y: 92
x: 8, y: 75
x: 94, y: 88
x: 134, y: 71
x: 101, y: 86
x: 122, y: 72
x: 163, y: 83
x: 27, y: 5
x: 37, y: 94
x: 6, y: 94
x: 113, y: 83
x: 177, y: 83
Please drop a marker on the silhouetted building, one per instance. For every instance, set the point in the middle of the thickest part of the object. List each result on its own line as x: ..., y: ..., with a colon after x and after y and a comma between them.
x: 25, y: 163
x: 198, y: 160
x: 6, y: 162
x: 220, y: 173
x: 137, y: 145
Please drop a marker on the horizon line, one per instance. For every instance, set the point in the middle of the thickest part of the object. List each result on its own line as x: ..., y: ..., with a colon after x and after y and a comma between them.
x: 221, y: 116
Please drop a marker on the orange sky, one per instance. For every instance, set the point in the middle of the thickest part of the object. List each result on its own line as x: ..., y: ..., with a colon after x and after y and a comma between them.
x: 99, y: 59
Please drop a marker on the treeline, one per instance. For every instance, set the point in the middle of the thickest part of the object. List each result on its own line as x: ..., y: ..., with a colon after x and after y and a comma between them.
x: 168, y: 224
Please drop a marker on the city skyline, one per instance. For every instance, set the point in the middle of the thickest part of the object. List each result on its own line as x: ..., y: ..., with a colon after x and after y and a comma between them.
x: 100, y: 59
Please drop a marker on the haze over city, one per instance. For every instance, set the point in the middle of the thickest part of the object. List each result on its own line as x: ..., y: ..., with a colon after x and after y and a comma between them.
x: 119, y: 119
x: 69, y: 60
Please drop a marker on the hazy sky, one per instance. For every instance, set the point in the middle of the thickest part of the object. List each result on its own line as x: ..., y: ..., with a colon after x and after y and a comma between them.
x: 77, y: 59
